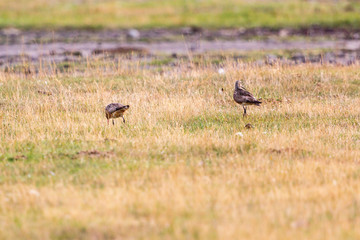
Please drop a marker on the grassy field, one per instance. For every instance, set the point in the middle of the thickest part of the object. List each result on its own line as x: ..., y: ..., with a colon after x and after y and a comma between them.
x: 175, y: 13
x: 177, y: 169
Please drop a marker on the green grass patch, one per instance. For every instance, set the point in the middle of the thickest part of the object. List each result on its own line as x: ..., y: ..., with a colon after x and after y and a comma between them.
x: 177, y: 13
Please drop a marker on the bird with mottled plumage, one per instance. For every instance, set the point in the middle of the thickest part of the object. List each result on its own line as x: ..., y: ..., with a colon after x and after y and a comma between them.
x: 115, y: 110
x: 244, y: 97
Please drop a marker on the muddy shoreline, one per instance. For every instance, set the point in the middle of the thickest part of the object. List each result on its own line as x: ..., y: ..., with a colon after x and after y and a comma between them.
x: 342, y: 45
x: 18, y: 36
x: 86, y: 49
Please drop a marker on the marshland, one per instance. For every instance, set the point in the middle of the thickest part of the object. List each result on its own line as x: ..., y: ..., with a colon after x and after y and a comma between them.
x: 183, y: 166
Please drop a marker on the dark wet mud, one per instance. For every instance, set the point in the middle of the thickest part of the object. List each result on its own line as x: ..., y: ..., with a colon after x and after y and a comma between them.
x: 16, y: 46
x: 16, y: 36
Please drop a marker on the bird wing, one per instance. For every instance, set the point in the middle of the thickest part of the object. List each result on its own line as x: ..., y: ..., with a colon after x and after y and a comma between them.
x: 113, y: 107
x: 251, y: 99
x: 241, y: 95
x: 245, y: 99
x: 244, y: 92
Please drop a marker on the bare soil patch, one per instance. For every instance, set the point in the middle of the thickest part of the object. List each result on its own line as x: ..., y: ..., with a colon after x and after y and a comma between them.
x: 94, y: 153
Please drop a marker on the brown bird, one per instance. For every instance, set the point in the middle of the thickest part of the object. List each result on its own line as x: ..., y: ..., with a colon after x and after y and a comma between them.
x: 243, y: 97
x: 115, y: 110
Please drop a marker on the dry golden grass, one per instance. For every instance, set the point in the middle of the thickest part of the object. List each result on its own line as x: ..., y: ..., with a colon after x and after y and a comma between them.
x: 177, y: 170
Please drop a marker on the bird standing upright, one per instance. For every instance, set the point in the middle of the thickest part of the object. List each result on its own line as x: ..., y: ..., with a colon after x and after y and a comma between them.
x: 243, y: 97
x: 115, y: 110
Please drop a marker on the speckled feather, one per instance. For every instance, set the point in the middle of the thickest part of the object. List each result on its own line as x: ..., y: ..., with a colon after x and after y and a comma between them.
x: 244, y: 97
x: 115, y: 110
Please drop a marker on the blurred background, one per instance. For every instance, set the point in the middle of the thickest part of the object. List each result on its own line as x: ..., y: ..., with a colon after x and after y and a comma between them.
x: 264, y: 31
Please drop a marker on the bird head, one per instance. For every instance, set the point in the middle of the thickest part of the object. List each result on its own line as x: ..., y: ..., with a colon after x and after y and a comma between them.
x: 125, y: 107
x: 237, y: 84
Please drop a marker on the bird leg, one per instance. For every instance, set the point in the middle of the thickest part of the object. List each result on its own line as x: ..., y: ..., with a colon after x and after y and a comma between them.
x: 244, y: 111
x: 113, y: 122
x: 108, y: 121
x: 123, y: 119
